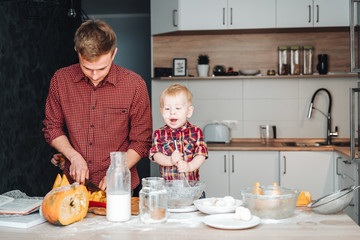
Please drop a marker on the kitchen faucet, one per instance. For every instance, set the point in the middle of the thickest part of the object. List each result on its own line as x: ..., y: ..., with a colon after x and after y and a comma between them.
x: 328, y: 116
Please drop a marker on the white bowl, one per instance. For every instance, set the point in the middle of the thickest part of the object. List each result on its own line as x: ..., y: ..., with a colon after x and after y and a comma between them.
x: 201, y: 205
x: 249, y: 72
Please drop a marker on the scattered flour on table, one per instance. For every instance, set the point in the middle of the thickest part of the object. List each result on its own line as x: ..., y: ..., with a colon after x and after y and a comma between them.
x: 94, y: 223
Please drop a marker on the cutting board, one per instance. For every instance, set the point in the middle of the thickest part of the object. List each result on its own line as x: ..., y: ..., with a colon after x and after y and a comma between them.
x: 100, y: 208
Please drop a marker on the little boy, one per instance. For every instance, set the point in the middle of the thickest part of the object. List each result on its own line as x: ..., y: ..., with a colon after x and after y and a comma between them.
x: 178, y: 147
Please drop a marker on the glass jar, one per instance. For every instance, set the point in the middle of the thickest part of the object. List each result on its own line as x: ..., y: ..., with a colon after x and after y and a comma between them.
x: 118, y: 188
x: 295, y: 60
x: 153, y: 200
x: 308, y: 60
x: 283, y: 60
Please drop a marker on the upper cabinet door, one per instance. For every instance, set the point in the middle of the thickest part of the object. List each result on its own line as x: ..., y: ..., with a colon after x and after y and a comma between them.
x: 245, y: 14
x: 312, y: 13
x: 202, y: 14
x: 164, y: 16
x: 331, y: 13
x: 294, y: 13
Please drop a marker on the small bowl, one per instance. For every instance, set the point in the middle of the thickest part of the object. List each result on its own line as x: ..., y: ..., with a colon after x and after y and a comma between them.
x: 181, y: 194
x: 276, y: 202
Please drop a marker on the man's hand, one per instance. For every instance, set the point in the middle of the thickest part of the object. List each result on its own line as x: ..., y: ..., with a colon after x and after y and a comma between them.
x: 78, y: 169
x: 102, y: 184
x: 58, y: 160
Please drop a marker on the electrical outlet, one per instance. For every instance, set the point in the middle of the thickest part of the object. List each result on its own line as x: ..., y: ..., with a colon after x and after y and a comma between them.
x: 230, y: 123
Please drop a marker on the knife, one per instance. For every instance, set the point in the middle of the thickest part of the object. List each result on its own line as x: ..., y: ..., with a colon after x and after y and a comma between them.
x: 92, y: 186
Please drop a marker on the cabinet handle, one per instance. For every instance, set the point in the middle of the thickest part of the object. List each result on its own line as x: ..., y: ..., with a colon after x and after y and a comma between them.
x: 231, y: 16
x: 173, y: 15
x: 233, y: 165
x: 284, y: 157
x: 223, y: 16
x: 337, y: 166
x: 224, y: 163
x: 309, y: 13
x: 317, y: 13
x: 351, y: 205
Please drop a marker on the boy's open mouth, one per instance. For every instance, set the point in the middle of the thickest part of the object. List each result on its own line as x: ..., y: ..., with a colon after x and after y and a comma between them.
x: 173, y: 120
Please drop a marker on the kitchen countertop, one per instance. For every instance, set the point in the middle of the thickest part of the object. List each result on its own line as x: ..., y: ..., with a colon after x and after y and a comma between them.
x: 304, y: 224
x: 254, y: 144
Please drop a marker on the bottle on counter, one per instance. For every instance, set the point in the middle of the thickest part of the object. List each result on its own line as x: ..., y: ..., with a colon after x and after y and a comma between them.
x: 118, y: 190
x: 153, y: 200
x: 308, y: 60
x: 283, y: 52
x: 294, y: 60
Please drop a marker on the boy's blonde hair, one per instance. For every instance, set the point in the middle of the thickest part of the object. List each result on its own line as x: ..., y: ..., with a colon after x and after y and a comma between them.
x: 175, y: 89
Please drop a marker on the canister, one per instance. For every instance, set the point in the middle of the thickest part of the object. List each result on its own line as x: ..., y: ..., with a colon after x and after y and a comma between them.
x: 308, y: 60
x: 153, y: 200
x: 283, y: 52
x: 294, y: 60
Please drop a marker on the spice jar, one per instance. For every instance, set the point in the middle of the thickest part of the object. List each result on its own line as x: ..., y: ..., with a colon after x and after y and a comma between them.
x: 283, y: 60
x: 308, y: 60
x: 153, y: 200
x: 295, y: 60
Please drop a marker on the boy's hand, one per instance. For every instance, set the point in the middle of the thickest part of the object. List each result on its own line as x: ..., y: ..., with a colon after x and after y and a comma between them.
x: 183, y: 166
x: 176, y: 156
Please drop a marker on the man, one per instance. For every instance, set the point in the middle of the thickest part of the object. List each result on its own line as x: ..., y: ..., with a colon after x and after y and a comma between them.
x: 96, y: 107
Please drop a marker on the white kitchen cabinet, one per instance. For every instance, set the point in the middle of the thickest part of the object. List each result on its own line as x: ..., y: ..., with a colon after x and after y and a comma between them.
x: 312, y: 13
x: 312, y: 171
x: 176, y: 15
x: 245, y: 14
x: 347, y: 175
x: 227, y: 172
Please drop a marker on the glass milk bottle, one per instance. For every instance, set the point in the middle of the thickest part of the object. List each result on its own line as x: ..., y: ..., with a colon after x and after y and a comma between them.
x: 118, y: 181
x: 153, y: 200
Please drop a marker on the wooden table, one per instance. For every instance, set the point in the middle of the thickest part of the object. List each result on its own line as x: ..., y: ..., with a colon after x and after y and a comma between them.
x: 304, y: 225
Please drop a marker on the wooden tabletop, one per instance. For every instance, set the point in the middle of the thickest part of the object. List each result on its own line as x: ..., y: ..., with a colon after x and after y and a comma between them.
x: 304, y: 224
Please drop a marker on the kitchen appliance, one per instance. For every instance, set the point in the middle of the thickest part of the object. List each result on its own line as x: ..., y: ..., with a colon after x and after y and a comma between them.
x: 217, y: 133
x: 219, y: 70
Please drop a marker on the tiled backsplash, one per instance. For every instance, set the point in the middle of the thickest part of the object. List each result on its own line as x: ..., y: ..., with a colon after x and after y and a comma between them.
x: 251, y: 102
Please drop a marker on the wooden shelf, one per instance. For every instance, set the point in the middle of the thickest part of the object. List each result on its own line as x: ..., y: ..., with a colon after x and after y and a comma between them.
x: 330, y: 75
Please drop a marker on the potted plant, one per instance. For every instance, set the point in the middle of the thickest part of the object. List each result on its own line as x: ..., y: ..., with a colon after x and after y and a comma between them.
x: 203, y: 65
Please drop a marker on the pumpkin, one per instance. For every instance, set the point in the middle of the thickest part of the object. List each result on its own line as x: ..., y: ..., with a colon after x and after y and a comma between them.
x: 60, y: 181
x: 65, y: 205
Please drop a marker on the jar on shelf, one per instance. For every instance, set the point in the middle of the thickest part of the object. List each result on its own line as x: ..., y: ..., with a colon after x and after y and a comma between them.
x: 153, y: 200
x: 283, y: 60
x: 294, y: 60
x: 308, y: 60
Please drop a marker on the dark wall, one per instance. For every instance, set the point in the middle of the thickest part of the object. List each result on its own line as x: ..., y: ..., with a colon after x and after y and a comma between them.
x: 36, y: 38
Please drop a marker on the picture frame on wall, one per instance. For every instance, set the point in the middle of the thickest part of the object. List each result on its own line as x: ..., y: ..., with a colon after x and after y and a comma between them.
x: 179, y: 67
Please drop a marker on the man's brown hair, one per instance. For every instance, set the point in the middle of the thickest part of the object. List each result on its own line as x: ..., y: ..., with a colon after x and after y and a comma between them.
x: 94, y: 38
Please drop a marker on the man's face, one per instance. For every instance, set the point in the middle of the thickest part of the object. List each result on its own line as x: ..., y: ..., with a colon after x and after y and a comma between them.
x: 97, y: 69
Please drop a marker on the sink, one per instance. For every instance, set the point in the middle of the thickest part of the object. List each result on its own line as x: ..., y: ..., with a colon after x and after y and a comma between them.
x: 341, y: 144
x: 303, y: 144
x: 314, y: 144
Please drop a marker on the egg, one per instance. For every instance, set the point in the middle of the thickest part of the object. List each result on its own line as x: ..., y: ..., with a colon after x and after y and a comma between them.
x: 229, y: 201
x: 209, y: 202
x: 220, y: 203
x: 243, y: 214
